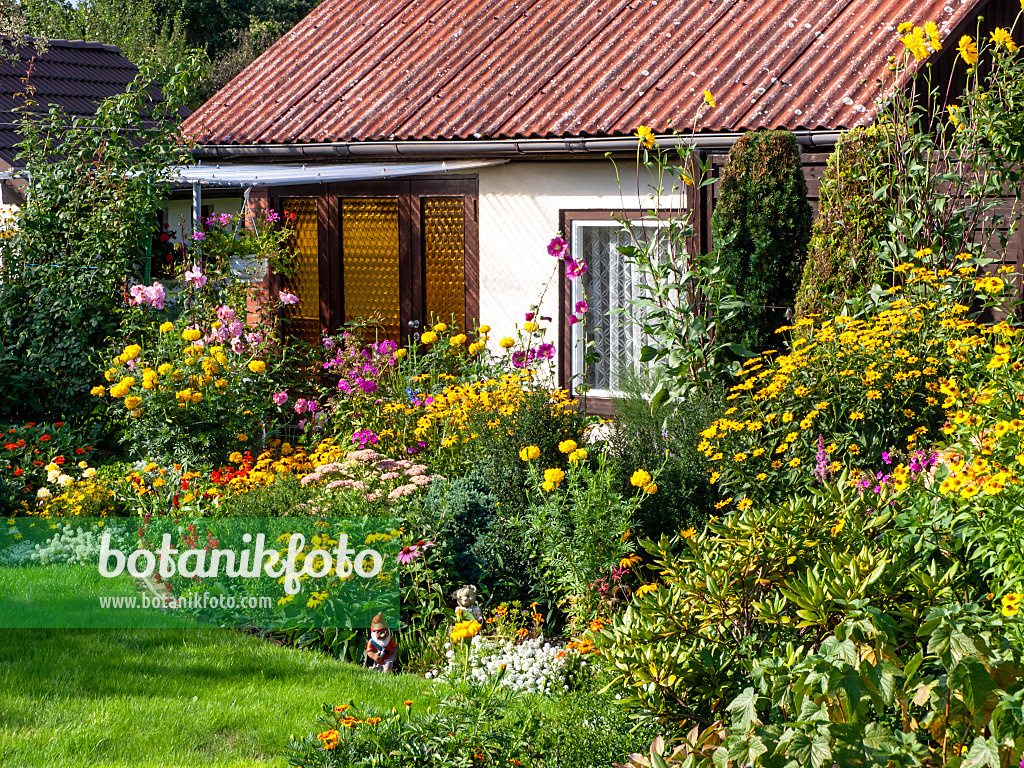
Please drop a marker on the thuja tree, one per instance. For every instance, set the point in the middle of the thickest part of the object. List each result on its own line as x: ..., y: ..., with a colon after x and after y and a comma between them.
x: 95, y: 186
x: 760, y: 230
x: 842, y: 257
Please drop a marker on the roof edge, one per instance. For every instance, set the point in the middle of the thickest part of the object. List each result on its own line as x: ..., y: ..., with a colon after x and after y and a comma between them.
x: 499, y: 148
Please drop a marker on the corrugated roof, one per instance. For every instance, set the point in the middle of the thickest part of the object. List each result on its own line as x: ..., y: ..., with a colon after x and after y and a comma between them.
x: 464, y: 69
x: 72, y: 74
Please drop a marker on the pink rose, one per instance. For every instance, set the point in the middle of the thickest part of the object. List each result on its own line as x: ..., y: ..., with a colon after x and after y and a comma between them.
x: 300, y: 405
x: 280, y: 398
x: 195, y: 275
x: 235, y: 329
x: 289, y: 298
x: 225, y: 314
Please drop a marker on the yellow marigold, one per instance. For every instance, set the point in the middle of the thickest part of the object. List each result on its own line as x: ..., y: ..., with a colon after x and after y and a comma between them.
x: 131, y: 352
x: 242, y: 438
x: 507, y: 342
x: 401, y: 352
x: 132, y: 402
x: 440, y: 327
x: 464, y: 630
x: 457, y: 340
x: 164, y: 368
x: 429, y: 337
x: 235, y: 457
x: 191, y: 334
x: 167, y: 327
x: 567, y: 446
x: 529, y: 453
x: 554, y: 476
x: 476, y: 346
x: 641, y: 478
x: 98, y: 391
x: 196, y: 397
x: 484, y: 329
x: 257, y: 366
x: 220, y: 383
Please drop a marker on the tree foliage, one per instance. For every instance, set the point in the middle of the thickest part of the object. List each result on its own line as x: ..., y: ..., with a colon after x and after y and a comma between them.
x: 760, y: 229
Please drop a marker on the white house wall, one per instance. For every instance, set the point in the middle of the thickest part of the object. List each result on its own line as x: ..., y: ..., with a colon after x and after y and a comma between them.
x: 519, y: 214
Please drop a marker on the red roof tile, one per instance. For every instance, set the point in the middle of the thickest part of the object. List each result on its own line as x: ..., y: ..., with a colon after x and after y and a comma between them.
x: 444, y: 69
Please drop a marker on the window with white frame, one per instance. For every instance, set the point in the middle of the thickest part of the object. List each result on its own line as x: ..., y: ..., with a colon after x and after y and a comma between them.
x: 609, y: 283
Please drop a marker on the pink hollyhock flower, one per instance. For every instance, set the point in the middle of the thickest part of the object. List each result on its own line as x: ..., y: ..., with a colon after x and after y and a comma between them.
x: 557, y: 247
x: 225, y: 314
x: 254, y: 338
x: 195, y: 276
x: 573, y: 319
x: 155, y: 295
x: 529, y: 316
x: 289, y: 298
x: 545, y: 351
x: 235, y: 329
x: 581, y: 307
x: 574, y: 269
x: 300, y: 405
x: 236, y: 346
x: 221, y: 334
x: 280, y: 398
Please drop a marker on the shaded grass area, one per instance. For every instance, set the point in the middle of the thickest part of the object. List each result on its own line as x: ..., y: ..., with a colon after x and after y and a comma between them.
x: 168, y: 697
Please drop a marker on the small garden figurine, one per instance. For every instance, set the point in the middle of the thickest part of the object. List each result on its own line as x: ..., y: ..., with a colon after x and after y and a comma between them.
x: 465, y: 604
x: 381, y: 650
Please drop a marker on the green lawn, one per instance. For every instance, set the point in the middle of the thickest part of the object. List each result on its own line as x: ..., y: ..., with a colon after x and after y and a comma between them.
x: 157, y: 697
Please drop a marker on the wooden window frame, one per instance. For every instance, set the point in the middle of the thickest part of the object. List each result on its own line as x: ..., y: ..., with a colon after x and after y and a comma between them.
x: 410, y: 193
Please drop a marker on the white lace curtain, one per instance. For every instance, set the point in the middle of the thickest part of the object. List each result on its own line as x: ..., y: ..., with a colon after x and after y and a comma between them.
x: 610, y: 283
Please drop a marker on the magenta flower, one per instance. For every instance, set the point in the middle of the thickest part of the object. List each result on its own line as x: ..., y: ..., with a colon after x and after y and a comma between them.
x: 575, y: 269
x: 300, y: 405
x: 272, y: 216
x: 280, y: 398
x: 235, y: 329
x: 195, y: 276
x: 557, y: 247
x: 581, y: 307
x: 573, y: 319
x: 225, y: 314
x: 530, y: 316
x: 198, y: 235
x: 289, y: 298
x: 545, y: 351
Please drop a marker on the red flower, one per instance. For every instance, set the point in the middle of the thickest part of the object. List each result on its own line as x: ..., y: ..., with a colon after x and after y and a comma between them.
x: 18, y: 472
x: 59, y: 460
x: 44, y: 438
x: 59, y: 424
x: 79, y: 451
x: 164, y: 237
x: 38, y: 463
x: 31, y: 424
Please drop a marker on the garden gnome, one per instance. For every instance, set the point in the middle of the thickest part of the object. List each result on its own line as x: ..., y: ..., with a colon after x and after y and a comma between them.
x: 466, y: 608
x: 381, y: 650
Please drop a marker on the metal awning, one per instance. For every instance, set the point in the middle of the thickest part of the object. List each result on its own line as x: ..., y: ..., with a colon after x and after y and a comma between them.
x: 276, y: 175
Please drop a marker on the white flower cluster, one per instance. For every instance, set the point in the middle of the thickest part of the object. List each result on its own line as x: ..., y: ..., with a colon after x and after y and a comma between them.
x: 532, y: 665
x: 71, y: 545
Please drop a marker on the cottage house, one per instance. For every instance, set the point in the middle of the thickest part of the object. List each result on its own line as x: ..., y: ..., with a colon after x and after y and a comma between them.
x: 432, y: 148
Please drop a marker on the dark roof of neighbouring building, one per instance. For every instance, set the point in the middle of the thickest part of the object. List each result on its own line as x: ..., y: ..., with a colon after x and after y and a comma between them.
x: 465, y: 69
x: 72, y: 74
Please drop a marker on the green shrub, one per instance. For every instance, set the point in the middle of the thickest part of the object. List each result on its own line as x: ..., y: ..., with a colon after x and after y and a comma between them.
x: 842, y: 255
x: 648, y: 435
x: 760, y: 229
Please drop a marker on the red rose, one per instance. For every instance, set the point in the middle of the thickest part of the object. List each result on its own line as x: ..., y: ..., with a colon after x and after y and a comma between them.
x: 44, y: 438
x: 164, y: 237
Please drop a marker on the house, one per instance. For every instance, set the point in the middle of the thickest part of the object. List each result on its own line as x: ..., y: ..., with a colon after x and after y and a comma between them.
x: 432, y: 148
x: 71, y: 74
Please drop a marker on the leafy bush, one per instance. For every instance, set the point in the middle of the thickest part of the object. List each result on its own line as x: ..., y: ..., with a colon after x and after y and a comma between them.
x: 845, y: 235
x: 96, y: 184
x: 760, y: 579
x: 761, y: 226
x: 648, y: 434
x: 38, y: 460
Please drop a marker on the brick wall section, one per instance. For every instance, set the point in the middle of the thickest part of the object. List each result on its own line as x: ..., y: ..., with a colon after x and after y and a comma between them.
x: 258, y: 201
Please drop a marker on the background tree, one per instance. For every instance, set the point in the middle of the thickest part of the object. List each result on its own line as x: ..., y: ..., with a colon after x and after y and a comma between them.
x: 760, y: 230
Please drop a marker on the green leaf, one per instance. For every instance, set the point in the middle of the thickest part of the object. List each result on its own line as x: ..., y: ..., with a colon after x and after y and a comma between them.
x: 974, y: 683
x: 744, y: 709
